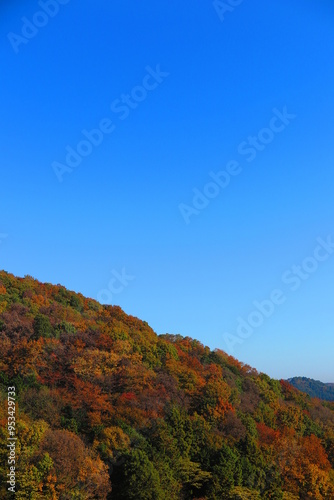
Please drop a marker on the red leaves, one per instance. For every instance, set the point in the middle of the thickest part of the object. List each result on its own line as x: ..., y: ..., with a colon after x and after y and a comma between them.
x: 267, y: 436
x: 313, y: 449
x: 127, y: 396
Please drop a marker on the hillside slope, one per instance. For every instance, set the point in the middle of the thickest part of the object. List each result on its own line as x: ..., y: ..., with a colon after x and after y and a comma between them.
x: 314, y: 388
x: 103, y: 402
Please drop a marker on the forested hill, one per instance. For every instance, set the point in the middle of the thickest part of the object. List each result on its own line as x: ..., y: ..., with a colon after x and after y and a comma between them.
x: 103, y: 402
x: 314, y: 388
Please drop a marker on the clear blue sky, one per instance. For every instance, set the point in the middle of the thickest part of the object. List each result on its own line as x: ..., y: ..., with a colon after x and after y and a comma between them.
x: 221, y: 77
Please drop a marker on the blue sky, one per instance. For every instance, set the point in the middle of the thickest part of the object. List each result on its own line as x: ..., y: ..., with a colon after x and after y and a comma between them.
x: 197, y: 84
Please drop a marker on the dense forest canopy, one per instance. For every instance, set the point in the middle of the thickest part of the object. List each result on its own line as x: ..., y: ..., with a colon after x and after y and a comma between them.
x: 108, y: 409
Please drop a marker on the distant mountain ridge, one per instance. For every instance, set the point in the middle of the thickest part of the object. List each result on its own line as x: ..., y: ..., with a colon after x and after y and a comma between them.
x: 313, y: 388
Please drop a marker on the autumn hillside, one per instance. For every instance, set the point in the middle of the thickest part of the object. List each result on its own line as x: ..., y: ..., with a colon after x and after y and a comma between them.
x: 108, y: 409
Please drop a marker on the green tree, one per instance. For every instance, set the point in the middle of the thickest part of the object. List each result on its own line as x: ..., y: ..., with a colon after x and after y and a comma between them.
x: 227, y: 472
x: 42, y: 326
x: 142, y: 479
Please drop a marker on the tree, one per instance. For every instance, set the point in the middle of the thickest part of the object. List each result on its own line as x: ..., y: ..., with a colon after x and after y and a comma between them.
x: 42, y: 327
x: 76, y: 470
x: 142, y: 481
x: 226, y: 472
